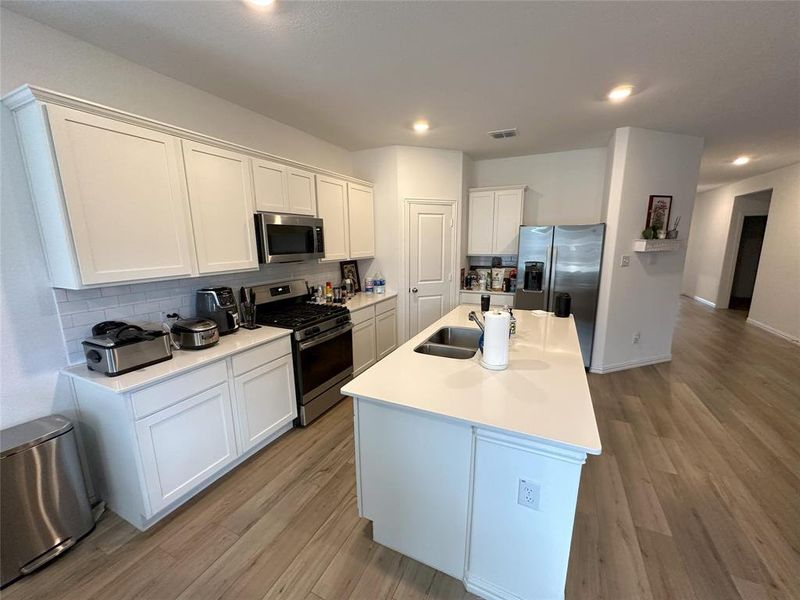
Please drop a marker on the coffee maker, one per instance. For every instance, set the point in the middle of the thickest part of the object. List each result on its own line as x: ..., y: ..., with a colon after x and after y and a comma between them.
x: 219, y: 305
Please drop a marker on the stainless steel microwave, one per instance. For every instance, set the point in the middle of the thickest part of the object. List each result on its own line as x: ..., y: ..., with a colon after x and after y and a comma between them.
x: 288, y: 238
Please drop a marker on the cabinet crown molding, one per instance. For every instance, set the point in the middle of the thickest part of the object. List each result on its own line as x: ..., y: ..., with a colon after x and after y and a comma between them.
x: 497, y: 188
x: 25, y: 94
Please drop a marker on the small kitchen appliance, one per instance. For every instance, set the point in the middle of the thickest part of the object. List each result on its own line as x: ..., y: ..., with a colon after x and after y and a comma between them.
x: 194, y: 334
x: 322, y: 343
x: 125, y: 348
x: 288, y: 238
x: 219, y: 305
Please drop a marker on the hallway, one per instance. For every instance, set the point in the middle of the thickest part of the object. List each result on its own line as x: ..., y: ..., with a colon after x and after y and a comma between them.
x: 697, y: 492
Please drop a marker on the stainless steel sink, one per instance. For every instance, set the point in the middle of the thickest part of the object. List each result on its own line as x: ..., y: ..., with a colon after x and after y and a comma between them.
x: 463, y: 337
x: 446, y: 351
x: 451, y: 342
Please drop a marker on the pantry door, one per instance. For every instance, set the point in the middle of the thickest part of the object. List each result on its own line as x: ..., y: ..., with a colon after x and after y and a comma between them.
x: 430, y: 264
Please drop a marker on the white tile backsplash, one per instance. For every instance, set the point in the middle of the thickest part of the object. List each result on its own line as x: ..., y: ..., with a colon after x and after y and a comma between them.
x: 145, y: 302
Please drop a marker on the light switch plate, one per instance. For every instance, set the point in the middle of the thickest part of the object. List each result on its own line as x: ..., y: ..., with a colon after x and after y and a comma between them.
x: 625, y: 261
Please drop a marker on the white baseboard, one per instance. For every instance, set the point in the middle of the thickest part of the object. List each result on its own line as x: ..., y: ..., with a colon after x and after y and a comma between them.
x: 631, y: 364
x: 489, y: 591
x: 704, y: 301
x: 773, y: 331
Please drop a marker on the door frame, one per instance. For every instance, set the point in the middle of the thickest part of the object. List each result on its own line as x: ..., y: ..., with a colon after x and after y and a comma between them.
x: 455, y: 216
x: 738, y: 213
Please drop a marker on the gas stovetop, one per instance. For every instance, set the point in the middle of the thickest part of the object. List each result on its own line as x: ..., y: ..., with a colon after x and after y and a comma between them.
x: 302, y: 315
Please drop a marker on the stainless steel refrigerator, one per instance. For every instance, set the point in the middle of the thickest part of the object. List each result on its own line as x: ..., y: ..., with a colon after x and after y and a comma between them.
x: 562, y: 258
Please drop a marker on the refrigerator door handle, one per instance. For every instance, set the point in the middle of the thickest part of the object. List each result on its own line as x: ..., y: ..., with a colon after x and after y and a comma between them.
x: 551, y: 284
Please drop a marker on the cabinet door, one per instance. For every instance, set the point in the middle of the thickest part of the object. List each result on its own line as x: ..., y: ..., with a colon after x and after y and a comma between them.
x: 184, y: 445
x: 221, y: 200
x: 302, y: 193
x: 507, y: 219
x: 332, y: 209
x: 265, y: 401
x: 269, y: 186
x: 386, y: 332
x: 481, y: 223
x: 361, y: 213
x: 364, y: 355
x: 125, y: 198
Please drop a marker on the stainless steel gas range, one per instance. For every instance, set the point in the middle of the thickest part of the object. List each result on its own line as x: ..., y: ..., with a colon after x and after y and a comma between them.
x: 322, y: 343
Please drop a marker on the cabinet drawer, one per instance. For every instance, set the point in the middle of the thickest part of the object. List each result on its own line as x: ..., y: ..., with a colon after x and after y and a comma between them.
x: 363, y: 314
x: 260, y: 355
x: 385, y: 306
x: 162, y: 395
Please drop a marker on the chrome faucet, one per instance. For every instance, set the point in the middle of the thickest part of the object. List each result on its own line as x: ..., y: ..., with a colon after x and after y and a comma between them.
x: 473, y: 316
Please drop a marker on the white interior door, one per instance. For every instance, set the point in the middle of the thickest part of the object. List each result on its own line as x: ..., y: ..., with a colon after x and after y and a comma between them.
x: 430, y: 276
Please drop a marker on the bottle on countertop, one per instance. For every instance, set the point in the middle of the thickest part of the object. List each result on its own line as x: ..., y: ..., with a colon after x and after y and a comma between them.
x: 379, y: 283
x: 369, y: 285
x: 328, y: 292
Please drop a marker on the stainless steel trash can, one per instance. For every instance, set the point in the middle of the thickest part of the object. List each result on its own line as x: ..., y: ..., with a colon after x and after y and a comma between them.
x: 44, y: 509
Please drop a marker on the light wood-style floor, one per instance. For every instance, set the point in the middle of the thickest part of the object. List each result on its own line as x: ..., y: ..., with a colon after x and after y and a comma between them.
x: 695, y: 497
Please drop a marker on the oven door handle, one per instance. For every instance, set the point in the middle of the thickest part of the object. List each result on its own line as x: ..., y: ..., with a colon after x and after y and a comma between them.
x: 331, y: 334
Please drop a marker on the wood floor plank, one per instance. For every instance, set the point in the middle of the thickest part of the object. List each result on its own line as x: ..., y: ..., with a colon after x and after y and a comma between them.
x: 619, y: 550
x: 415, y: 581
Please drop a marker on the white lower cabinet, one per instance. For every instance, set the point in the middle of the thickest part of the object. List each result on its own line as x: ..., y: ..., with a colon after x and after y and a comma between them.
x: 374, y: 333
x: 265, y: 401
x: 154, y: 448
x: 364, y: 352
x: 386, y: 332
x: 186, y: 443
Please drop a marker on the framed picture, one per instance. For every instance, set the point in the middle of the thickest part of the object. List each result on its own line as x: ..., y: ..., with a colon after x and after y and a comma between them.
x: 350, y: 271
x: 658, y: 212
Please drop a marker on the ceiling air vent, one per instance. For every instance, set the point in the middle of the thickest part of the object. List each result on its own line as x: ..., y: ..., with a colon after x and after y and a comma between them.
x: 503, y: 133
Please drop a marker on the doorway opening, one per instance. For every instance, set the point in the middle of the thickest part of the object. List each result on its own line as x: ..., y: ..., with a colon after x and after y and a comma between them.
x: 749, y: 224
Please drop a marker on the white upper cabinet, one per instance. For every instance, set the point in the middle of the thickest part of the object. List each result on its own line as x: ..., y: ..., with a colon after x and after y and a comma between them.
x: 361, y: 220
x: 481, y: 223
x: 507, y: 220
x: 221, y: 201
x: 495, y: 216
x: 124, y: 197
x: 301, y: 192
x: 282, y: 189
x: 332, y: 209
x: 269, y: 184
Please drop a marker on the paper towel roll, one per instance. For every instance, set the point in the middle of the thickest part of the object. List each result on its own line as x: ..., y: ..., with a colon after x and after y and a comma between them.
x: 495, y: 339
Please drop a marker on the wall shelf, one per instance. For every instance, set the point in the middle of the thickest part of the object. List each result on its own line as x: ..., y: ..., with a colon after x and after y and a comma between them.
x: 656, y: 245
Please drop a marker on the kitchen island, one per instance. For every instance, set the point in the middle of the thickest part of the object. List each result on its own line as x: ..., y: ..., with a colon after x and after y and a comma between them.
x: 476, y: 472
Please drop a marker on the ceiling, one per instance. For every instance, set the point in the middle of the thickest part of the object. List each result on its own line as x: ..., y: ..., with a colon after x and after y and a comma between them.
x: 359, y: 73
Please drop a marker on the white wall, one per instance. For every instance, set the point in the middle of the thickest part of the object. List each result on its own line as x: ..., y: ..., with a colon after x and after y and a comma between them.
x: 425, y: 173
x: 713, y: 240
x: 644, y: 296
x: 31, y: 344
x: 564, y: 188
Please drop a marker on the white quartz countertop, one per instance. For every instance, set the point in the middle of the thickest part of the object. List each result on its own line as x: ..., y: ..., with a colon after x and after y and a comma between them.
x: 363, y: 300
x: 181, y: 361
x: 543, y: 394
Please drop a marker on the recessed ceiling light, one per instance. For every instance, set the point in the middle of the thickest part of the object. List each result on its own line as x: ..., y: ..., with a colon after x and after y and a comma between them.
x: 620, y: 93
x: 741, y: 160
x: 259, y: 3
x: 421, y: 126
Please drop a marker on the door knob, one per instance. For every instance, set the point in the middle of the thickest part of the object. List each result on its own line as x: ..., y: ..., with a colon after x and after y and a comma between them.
x: 415, y: 290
